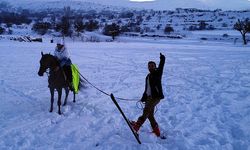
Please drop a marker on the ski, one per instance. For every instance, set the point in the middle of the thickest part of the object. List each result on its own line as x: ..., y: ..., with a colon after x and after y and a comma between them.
x: 125, y: 118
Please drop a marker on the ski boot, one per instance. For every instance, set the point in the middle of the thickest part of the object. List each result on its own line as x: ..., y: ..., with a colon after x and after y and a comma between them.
x: 136, y: 126
x: 156, y: 131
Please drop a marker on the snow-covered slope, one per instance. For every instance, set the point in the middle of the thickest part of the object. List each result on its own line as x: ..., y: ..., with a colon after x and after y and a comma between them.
x: 147, y: 22
x: 206, y: 105
x: 58, y: 4
x: 162, y: 4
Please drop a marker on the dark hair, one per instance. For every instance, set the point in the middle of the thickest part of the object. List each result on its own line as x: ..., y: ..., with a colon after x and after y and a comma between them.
x: 152, y: 62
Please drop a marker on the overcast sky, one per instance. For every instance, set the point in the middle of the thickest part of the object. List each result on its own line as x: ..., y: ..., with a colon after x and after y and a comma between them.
x: 172, y: 4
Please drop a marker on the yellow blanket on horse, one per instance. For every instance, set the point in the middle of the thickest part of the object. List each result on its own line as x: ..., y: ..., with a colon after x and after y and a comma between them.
x: 76, y: 77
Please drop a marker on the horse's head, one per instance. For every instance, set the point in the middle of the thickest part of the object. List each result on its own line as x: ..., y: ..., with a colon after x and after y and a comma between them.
x: 45, y: 63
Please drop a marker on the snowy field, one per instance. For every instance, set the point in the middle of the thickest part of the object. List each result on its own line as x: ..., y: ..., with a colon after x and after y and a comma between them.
x: 206, y: 105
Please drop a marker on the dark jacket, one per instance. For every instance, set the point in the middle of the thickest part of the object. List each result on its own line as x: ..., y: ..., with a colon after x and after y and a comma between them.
x: 65, y: 62
x: 155, y: 82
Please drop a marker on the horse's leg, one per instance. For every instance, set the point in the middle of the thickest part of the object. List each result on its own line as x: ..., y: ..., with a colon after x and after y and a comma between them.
x: 51, y: 99
x: 74, y: 100
x: 66, y: 95
x: 59, y: 90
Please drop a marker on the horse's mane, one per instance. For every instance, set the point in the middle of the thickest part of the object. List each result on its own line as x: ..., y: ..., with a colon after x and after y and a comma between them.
x: 51, y: 56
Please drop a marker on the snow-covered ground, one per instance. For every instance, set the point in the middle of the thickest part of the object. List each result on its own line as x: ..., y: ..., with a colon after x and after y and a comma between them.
x: 206, y: 105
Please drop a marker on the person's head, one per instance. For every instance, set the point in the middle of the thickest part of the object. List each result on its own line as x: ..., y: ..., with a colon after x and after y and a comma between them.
x: 59, y: 44
x: 151, y: 66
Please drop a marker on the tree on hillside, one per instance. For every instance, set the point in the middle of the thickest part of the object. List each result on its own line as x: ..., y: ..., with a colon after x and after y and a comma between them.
x: 126, y: 14
x: 64, y: 27
x: 202, y: 25
x: 92, y: 25
x: 14, y: 18
x: 2, y: 30
x: 112, y: 30
x: 158, y: 27
x: 79, y: 26
x: 243, y: 27
x: 125, y: 28
x: 168, y: 29
x: 41, y: 27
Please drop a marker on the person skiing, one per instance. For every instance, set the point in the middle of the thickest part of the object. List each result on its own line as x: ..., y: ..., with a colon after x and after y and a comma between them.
x: 151, y: 96
x: 62, y: 54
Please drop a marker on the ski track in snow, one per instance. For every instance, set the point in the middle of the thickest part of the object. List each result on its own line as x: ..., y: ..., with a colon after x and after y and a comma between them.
x: 206, y: 105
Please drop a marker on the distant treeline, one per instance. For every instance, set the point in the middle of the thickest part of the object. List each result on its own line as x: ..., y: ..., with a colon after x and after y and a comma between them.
x: 70, y: 22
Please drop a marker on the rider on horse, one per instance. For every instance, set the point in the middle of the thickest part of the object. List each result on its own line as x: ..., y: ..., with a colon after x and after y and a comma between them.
x: 62, y: 54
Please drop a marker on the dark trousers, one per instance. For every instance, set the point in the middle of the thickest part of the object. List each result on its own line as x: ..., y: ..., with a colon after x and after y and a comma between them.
x: 68, y: 72
x: 148, y: 112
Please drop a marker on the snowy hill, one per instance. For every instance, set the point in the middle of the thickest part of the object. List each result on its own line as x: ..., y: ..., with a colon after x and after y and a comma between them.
x: 161, y: 4
x: 149, y: 21
x: 59, y: 4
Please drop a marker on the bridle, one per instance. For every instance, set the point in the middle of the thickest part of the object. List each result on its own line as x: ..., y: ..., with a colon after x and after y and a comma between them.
x: 44, y: 67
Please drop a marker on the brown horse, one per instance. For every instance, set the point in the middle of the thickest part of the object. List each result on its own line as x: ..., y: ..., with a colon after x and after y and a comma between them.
x: 56, y: 79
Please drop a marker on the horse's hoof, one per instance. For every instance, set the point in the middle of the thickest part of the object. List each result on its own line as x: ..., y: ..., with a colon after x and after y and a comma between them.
x: 59, y: 113
x: 64, y: 104
x: 74, y: 101
x: 51, y: 111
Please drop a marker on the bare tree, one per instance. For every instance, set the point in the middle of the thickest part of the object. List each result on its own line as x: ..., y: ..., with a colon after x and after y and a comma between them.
x: 112, y: 30
x: 243, y: 27
x: 64, y: 27
x: 79, y: 26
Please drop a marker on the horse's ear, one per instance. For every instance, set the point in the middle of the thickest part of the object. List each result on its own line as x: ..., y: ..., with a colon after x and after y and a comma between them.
x: 42, y: 53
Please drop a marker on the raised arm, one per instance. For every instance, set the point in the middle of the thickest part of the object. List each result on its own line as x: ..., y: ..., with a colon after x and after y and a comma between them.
x: 161, y: 65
